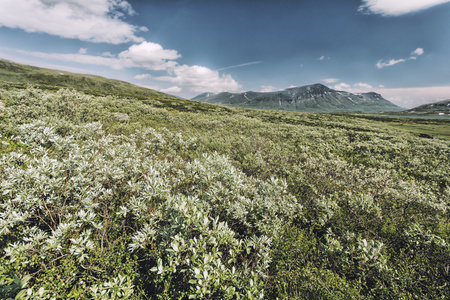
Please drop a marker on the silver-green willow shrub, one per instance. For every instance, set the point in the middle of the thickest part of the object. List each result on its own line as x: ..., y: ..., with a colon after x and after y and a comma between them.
x: 205, y: 218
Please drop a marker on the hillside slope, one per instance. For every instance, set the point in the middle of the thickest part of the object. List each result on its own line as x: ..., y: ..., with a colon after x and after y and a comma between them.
x: 21, y: 75
x: 310, y: 98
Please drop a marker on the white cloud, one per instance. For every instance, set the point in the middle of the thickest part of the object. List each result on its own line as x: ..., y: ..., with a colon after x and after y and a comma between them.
x: 342, y: 87
x: 321, y: 58
x: 150, y: 56
x: 267, y: 88
x: 418, y: 51
x: 86, y: 20
x: 146, y: 55
x: 396, y: 7
x: 381, y: 64
x: 107, y: 54
x: 111, y: 62
x: 330, y: 80
x: 172, y: 89
x: 142, y: 76
x: 200, y: 79
x: 362, y: 85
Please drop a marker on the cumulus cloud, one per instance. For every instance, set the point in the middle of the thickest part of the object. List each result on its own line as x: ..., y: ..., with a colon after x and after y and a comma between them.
x: 330, y: 80
x: 142, y: 76
x: 418, y: 52
x: 150, y: 56
x: 396, y: 7
x: 200, y: 79
x: 342, y: 87
x: 381, y: 64
x: 146, y: 55
x: 86, y: 20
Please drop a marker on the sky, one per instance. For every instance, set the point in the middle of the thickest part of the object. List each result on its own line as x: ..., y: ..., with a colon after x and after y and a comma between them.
x: 398, y: 48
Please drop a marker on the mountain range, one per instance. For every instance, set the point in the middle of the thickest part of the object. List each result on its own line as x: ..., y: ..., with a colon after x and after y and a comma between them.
x: 309, y: 98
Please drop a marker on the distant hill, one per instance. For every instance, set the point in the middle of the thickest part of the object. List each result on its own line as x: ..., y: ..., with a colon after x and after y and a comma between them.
x: 436, y: 108
x: 310, y: 98
x: 21, y: 75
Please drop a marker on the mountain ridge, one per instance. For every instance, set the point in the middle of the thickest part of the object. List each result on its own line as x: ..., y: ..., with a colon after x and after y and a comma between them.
x: 309, y: 98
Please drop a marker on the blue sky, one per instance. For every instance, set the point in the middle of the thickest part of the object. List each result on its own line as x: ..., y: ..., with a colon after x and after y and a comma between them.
x: 399, y: 48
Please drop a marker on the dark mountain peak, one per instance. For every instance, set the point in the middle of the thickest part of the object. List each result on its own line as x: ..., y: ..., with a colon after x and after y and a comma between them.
x: 318, y: 86
x: 312, y: 98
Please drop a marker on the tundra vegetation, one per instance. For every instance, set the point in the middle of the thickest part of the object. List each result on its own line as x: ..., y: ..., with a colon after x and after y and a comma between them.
x: 119, y: 197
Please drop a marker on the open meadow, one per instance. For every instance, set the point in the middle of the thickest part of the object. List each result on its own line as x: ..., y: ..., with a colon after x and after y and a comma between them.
x: 152, y: 197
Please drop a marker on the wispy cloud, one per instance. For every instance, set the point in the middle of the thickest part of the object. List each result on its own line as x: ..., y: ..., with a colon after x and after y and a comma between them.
x: 111, y: 62
x: 360, y: 87
x: 381, y: 64
x: 142, y: 76
x: 87, y: 20
x: 396, y: 7
x: 240, y: 65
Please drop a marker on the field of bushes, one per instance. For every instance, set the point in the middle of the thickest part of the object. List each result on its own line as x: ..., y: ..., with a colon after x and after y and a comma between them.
x: 114, y: 197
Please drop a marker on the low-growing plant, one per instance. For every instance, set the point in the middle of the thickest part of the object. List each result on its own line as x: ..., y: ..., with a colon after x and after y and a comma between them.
x: 187, y: 200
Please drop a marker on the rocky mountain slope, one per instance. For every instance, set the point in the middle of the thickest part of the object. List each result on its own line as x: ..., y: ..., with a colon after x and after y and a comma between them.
x: 310, y: 98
